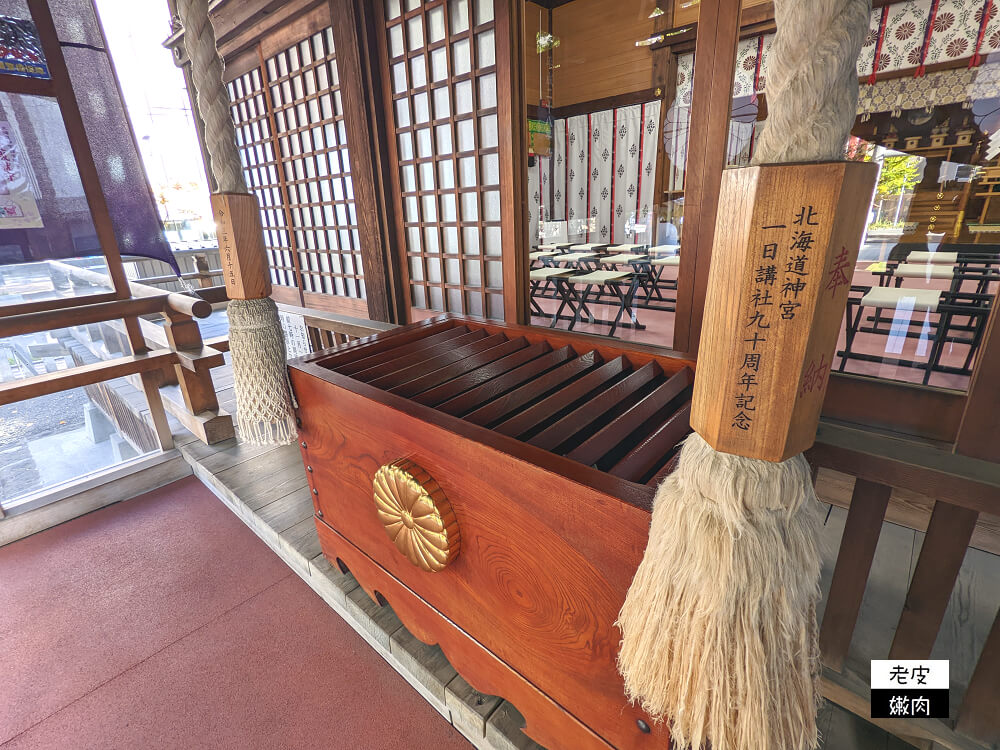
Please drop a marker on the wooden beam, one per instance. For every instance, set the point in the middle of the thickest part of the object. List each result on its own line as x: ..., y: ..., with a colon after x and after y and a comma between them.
x: 64, y: 380
x: 77, y: 135
x: 334, y: 322
x: 909, y: 509
x: 715, y: 63
x: 59, y: 303
x: 512, y: 123
x: 907, y: 408
x: 977, y: 433
x: 240, y: 26
x: 608, y: 102
x: 850, y: 576
x: 937, y: 569
x: 150, y: 382
x: 182, y: 303
x: 15, y: 325
x: 852, y: 693
x: 195, y: 360
x: 196, y: 387
x: 219, y: 343
x: 978, y: 717
x: 910, y: 465
x: 365, y: 121
x: 209, y: 427
x: 14, y: 84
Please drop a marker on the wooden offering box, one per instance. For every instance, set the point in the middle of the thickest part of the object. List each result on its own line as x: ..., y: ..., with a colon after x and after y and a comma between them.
x: 493, y: 484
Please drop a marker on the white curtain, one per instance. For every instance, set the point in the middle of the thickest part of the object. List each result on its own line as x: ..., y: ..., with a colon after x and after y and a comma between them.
x: 605, y: 169
x: 577, y: 169
x: 539, y: 196
x: 647, y: 162
x: 559, y: 205
x: 602, y: 158
x: 628, y: 169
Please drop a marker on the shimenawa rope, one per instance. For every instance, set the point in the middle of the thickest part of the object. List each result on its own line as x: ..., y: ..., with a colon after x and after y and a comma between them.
x: 719, y: 633
x: 264, y: 399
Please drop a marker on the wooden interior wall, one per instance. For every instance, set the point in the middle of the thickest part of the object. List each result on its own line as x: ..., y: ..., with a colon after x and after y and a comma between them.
x: 597, y: 57
x: 686, y: 11
x: 536, y: 18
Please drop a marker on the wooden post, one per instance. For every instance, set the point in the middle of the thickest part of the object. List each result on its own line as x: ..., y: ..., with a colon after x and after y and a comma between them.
x: 200, y: 412
x: 241, y: 245
x: 783, y: 257
x: 201, y: 268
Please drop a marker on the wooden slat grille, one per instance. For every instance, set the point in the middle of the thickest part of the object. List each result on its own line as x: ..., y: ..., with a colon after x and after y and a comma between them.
x: 606, y: 414
x: 255, y: 141
x: 312, y: 143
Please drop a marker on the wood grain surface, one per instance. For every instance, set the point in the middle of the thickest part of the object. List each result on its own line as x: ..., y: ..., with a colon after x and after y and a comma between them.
x: 554, y: 556
x: 241, y: 245
x: 785, y: 245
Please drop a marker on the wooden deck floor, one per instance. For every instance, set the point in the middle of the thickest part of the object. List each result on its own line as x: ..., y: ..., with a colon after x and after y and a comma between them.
x: 267, y: 488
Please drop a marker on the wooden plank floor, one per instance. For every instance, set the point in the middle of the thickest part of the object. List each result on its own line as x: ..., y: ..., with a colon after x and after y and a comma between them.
x: 267, y: 487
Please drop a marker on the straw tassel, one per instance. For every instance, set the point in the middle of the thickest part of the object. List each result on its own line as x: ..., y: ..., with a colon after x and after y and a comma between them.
x: 719, y: 634
x: 720, y: 619
x: 263, y: 391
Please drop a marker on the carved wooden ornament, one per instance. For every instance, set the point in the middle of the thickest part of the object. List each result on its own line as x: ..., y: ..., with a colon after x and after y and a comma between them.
x: 416, y: 514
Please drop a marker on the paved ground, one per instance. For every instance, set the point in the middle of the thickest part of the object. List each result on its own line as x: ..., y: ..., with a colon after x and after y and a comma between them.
x: 163, y: 622
x: 30, y: 422
x: 45, y: 442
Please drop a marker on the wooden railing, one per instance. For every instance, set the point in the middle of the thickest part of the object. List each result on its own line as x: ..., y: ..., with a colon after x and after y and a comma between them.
x: 173, y: 354
x: 963, y: 488
x: 331, y: 330
x: 201, y: 275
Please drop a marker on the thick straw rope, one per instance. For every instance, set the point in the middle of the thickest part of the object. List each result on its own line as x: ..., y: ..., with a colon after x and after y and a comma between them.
x: 213, y: 101
x: 264, y: 401
x: 719, y: 631
x: 812, y: 80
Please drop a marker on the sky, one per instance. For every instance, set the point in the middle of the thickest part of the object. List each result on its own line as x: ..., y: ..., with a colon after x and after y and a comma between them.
x: 158, y: 105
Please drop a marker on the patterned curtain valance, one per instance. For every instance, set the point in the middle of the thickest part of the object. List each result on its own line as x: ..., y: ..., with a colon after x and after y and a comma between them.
x: 896, y: 32
x: 944, y: 87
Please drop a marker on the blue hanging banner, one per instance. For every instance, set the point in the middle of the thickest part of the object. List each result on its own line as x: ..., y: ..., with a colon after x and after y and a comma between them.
x: 20, y: 49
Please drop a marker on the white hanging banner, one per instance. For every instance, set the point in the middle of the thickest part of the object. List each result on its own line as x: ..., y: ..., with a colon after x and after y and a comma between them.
x: 18, y: 209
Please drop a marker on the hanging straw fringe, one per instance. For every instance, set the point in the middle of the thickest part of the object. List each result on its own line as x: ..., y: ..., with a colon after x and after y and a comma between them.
x: 719, y: 632
x: 264, y: 399
x: 260, y: 376
x: 727, y: 650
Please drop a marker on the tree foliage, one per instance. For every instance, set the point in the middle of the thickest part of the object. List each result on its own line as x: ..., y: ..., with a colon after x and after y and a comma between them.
x: 899, y: 174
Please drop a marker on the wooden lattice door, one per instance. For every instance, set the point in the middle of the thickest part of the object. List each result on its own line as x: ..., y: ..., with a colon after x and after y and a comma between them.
x: 442, y: 84
x: 290, y: 127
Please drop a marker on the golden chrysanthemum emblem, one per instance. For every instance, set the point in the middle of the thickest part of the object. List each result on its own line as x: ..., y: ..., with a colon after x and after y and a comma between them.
x: 416, y: 514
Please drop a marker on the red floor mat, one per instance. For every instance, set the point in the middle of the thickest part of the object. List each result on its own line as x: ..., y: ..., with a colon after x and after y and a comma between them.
x: 163, y: 622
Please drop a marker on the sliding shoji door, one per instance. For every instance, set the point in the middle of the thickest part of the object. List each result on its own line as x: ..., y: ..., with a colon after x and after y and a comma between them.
x: 442, y: 93
x: 291, y: 132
